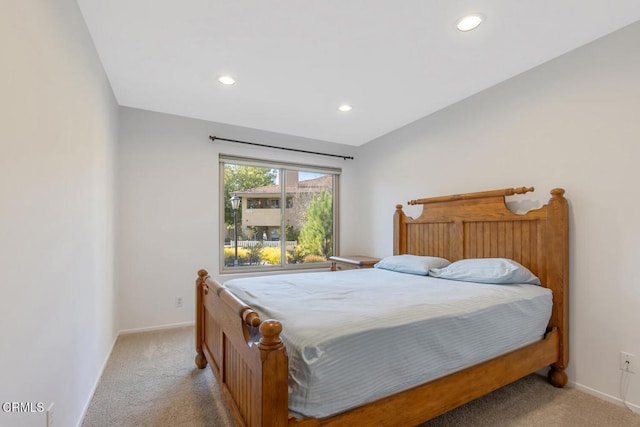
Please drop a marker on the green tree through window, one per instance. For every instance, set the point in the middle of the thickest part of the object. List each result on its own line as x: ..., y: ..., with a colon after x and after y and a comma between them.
x: 316, y: 236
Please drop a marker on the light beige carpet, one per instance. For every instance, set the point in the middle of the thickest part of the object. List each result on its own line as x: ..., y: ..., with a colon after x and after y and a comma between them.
x: 151, y: 380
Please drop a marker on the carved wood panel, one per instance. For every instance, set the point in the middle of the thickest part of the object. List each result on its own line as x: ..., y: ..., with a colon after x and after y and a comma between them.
x: 238, y: 377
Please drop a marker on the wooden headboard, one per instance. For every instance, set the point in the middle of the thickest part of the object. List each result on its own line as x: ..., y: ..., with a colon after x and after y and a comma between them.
x: 480, y: 225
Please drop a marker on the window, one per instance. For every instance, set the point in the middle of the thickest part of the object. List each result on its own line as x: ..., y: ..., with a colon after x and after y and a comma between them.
x: 285, y: 217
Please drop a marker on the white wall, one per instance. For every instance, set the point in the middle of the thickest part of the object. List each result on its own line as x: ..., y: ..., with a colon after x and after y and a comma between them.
x: 574, y: 123
x: 168, y: 183
x: 58, y: 126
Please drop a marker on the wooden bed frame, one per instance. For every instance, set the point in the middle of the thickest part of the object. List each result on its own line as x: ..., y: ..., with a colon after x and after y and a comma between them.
x: 254, y: 377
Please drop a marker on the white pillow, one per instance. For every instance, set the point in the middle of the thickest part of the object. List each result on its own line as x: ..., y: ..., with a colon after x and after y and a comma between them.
x: 486, y: 270
x: 412, y: 264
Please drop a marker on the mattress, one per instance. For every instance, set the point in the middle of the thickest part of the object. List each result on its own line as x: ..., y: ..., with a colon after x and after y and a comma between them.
x: 355, y: 336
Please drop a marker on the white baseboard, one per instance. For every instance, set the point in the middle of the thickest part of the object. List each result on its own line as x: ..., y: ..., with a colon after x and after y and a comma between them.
x: 156, y: 328
x: 606, y: 397
x: 96, y: 382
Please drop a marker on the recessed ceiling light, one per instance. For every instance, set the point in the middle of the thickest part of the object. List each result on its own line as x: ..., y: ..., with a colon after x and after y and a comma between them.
x: 345, y: 107
x: 226, y: 80
x: 469, y: 22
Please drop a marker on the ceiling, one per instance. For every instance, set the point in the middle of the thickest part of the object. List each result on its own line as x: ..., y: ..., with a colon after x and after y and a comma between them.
x: 296, y: 61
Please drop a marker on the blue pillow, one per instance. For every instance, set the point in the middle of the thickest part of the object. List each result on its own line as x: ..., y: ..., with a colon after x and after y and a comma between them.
x: 411, y: 264
x: 486, y: 270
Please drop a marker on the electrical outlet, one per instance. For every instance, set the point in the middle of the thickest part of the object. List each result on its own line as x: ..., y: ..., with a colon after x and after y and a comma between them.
x: 50, y: 415
x: 627, y: 362
x: 178, y: 302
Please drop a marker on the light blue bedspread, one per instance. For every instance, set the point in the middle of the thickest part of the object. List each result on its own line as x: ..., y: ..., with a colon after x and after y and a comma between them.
x: 355, y: 336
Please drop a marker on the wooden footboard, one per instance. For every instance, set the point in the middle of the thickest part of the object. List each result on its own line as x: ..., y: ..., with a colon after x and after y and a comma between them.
x: 253, y: 376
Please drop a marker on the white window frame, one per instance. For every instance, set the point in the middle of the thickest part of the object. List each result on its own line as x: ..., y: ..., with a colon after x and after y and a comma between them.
x: 282, y: 166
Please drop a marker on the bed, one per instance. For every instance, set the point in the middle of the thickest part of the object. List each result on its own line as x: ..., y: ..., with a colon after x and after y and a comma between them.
x: 249, y: 358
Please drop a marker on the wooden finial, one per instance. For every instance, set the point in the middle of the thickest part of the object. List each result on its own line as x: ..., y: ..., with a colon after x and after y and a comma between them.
x: 250, y: 317
x: 557, y: 192
x: 202, y: 273
x: 270, y: 330
x: 522, y: 190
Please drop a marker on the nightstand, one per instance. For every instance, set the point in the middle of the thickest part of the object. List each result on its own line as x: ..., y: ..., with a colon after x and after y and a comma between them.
x: 351, y: 262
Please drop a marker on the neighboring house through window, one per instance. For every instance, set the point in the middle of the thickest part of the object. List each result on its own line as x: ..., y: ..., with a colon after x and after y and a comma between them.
x: 285, y: 218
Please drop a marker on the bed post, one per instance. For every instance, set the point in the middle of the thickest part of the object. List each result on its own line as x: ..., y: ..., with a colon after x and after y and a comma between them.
x: 399, y: 232
x: 558, y: 280
x: 201, y: 360
x: 275, y: 375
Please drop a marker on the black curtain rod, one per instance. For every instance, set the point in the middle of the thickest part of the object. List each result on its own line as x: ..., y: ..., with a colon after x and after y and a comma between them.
x: 213, y: 138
